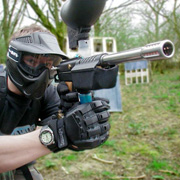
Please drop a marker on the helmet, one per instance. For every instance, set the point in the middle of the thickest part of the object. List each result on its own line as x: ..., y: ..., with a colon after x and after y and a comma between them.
x: 31, y: 60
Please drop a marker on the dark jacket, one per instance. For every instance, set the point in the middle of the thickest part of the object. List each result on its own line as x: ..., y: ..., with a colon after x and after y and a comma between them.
x: 19, y: 115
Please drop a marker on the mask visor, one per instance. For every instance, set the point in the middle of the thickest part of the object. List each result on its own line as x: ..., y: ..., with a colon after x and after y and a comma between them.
x: 35, y: 64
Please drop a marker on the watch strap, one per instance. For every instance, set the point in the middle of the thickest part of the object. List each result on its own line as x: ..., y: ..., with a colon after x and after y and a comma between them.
x: 53, y: 147
x: 60, y: 138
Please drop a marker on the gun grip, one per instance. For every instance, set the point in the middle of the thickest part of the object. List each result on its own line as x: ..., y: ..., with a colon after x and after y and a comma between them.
x: 83, y: 98
x: 69, y: 84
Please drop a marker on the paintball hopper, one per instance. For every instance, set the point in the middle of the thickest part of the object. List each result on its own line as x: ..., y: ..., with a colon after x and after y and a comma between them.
x: 79, y: 16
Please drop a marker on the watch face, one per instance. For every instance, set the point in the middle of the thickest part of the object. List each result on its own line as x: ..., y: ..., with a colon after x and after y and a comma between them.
x: 46, y: 137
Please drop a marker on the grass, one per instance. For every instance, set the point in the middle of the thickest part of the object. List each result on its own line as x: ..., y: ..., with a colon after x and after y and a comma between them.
x: 144, y: 139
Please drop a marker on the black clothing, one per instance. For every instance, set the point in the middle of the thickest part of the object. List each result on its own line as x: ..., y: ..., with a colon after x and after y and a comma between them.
x: 21, y: 115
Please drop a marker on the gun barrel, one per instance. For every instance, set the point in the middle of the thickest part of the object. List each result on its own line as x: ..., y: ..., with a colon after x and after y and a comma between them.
x: 153, y: 51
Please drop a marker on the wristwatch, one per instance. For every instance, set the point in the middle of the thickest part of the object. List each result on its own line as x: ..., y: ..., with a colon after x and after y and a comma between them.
x: 46, y: 137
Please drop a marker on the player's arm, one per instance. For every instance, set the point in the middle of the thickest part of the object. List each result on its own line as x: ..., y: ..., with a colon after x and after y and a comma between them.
x: 16, y: 151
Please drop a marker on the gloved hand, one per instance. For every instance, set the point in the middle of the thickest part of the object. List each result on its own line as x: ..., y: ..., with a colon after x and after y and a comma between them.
x: 86, y: 126
x: 68, y: 99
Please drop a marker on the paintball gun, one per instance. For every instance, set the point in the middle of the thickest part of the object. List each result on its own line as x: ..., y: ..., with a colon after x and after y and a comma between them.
x: 99, y: 71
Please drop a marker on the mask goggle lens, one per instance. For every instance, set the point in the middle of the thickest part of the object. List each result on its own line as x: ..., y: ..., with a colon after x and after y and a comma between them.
x: 35, y: 64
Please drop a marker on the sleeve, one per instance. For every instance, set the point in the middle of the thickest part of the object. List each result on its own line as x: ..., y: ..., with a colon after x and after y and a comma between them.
x: 50, y: 104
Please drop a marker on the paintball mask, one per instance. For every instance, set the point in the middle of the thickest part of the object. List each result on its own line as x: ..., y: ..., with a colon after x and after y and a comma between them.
x: 30, y: 62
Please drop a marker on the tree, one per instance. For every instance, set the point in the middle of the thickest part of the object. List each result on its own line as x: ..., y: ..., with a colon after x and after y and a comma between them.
x: 152, y: 21
x: 172, y: 17
x: 116, y: 21
x: 161, y: 19
x: 111, y: 14
x: 11, y: 18
x: 48, y: 15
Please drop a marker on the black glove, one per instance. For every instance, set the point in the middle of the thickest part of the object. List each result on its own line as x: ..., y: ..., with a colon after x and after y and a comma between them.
x: 68, y: 99
x: 86, y: 126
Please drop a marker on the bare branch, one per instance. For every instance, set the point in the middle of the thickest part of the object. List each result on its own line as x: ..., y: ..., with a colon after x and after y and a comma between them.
x: 50, y: 18
x: 125, y: 4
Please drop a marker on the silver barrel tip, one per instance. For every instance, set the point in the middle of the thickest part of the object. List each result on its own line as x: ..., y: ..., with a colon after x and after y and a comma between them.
x: 158, y: 50
x: 168, y: 48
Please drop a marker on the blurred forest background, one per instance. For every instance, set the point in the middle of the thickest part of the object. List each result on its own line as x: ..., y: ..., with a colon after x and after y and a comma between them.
x: 133, y: 23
